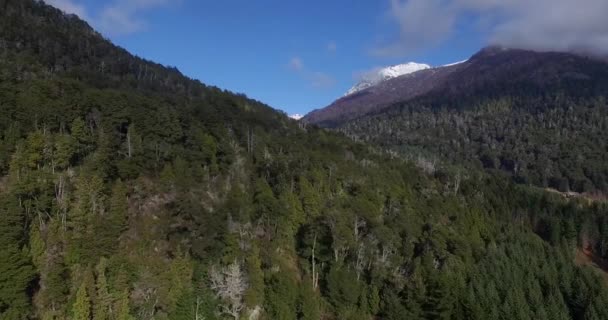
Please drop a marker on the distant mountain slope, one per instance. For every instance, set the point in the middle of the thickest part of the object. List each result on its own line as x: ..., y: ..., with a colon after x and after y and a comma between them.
x: 542, y: 117
x: 379, y: 96
x: 492, y: 69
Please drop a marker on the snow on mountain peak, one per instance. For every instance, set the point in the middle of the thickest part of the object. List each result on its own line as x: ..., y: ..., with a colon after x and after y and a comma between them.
x: 376, y: 76
x: 296, y: 116
x: 402, y: 69
x: 455, y: 63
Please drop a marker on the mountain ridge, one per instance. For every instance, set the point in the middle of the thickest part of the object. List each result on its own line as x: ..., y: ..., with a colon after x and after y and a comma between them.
x: 375, y: 77
x: 379, y: 96
x: 489, y: 65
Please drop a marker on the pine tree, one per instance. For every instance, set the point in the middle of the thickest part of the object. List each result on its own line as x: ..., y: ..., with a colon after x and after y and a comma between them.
x: 266, y: 205
x: 310, y: 198
x: 80, y: 136
x: 54, y: 272
x: 344, y: 290
x: 110, y: 226
x: 180, y: 276
x: 37, y: 246
x: 35, y: 150
x: 373, y: 300
x: 122, y: 307
x: 101, y: 161
x: 392, y: 307
x: 16, y: 274
x: 103, y: 299
x: 254, y: 296
x: 309, y: 307
x: 64, y: 151
x: 281, y: 296
x: 81, y: 309
x: 438, y: 303
x: 16, y: 270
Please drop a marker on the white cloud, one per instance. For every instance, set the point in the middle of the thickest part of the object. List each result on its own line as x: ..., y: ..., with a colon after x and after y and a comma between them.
x: 296, y: 64
x: 124, y: 16
x: 70, y: 7
x: 538, y: 24
x: 321, y: 80
x: 316, y: 79
x: 116, y: 17
x: 332, y: 47
x: 422, y: 23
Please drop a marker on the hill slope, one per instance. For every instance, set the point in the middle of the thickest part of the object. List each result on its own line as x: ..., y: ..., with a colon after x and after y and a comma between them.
x: 130, y: 191
x: 539, y: 116
x: 493, y: 70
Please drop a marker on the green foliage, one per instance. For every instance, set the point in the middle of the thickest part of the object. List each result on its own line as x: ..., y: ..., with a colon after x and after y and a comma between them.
x: 344, y: 291
x: 309, y: 304
x: 103, y: 299
x: 438, y: 302
x: 124, y: 182
x: 546, y: 141
x: 281, y: 296
x: 266, y: 205
x: 255, y: 293
x: 16, y: 270
x: 393, y: 307
x: 122, y: 307
x: 65, y: 148
x: 81, y: 310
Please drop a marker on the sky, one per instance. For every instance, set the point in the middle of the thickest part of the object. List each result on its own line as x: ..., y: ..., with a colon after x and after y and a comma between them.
x: 301, y: 55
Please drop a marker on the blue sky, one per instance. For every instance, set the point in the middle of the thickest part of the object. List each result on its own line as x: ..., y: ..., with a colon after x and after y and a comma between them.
x: 301, y: 55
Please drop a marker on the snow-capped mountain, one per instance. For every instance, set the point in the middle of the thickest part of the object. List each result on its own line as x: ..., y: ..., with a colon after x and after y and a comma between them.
x: 373, y: 78
x: 296, y: 116
x: 383, y: 88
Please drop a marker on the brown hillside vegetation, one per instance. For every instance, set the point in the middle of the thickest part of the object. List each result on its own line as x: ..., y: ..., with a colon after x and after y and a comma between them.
x: 585, y: 258
x: 590, y: 197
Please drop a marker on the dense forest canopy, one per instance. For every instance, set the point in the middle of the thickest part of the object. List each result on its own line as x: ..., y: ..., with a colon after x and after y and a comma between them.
x: 129, y: 191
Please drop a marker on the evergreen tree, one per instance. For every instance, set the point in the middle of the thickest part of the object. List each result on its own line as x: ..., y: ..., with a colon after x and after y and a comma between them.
x: 81, y: 309
x: 438, y: 304
x: 310, y: 198
x: 16, y: 270
x: 393, y: 308
x: 122, y: 307
x: 281, y: 293
x: 103, y: 299
x: 80, y: 136
x: 254, y: 296
x: 110, y: 226
x: 64, y: 151
x: 309, y: 308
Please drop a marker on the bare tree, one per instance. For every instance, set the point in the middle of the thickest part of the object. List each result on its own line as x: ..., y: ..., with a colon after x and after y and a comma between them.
x: 229, y: 284
x: 426, y: 165
x: 197, y: 315
x: 315, y: 273
x: 457, y: 181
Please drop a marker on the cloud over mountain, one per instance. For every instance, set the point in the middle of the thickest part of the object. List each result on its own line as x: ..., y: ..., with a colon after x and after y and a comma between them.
x: 119, y: 17
x: 316, y: 79
x: 540, y: 24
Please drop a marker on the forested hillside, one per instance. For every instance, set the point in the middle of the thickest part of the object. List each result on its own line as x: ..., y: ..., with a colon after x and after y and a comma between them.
x: 128, y: 191
x: 541, y: 117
